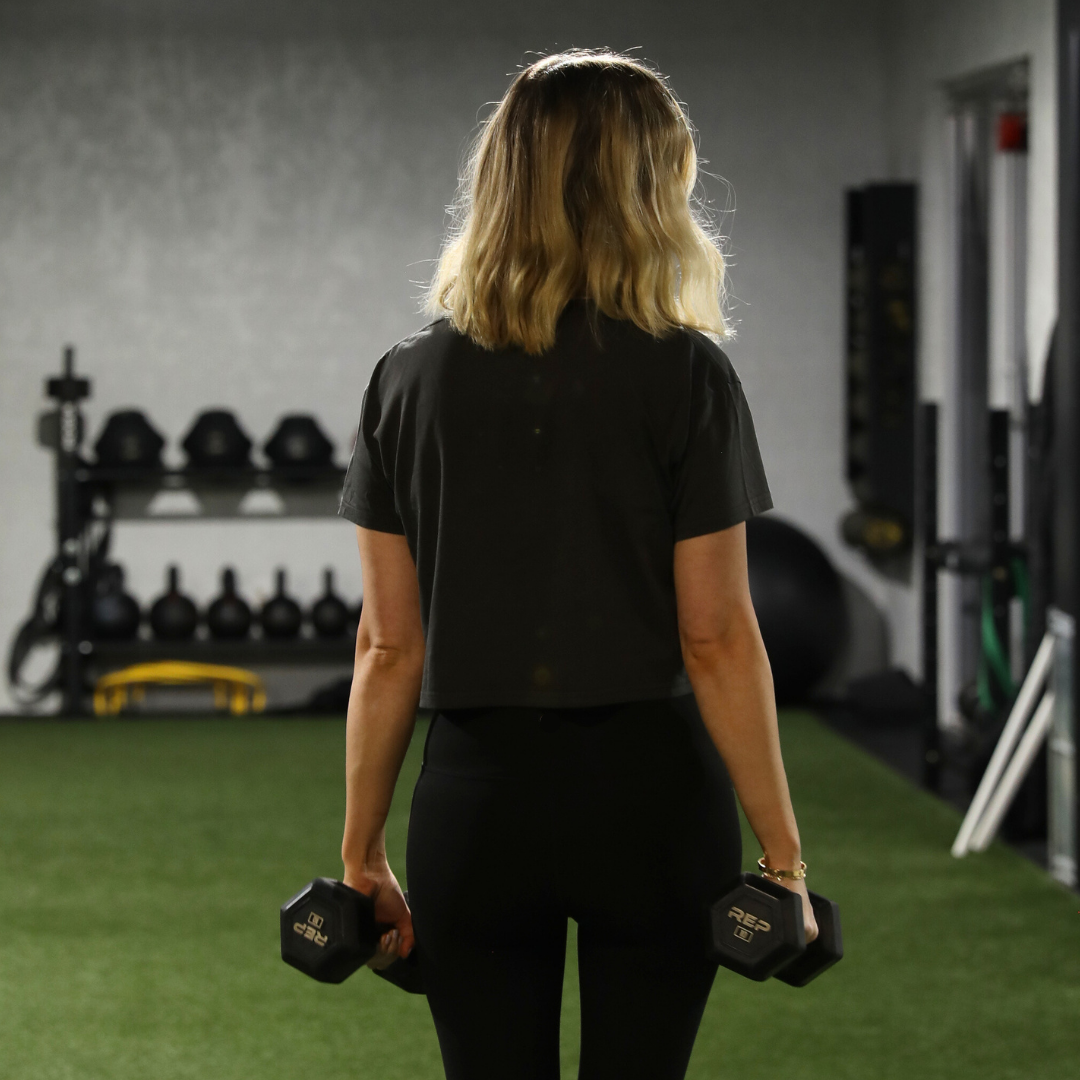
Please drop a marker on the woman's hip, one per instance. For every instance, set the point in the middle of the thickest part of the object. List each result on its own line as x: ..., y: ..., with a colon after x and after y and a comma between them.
x: 576, y: 806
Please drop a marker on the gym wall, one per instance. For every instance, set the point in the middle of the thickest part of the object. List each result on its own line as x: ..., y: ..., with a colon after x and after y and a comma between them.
x: 928, y: 42
x: 234, y: 204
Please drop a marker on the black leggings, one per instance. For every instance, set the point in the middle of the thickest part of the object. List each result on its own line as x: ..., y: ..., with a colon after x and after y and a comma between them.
x: 621, y: 818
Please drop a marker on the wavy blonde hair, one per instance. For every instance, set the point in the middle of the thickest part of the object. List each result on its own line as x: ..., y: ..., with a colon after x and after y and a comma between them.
x: 580, y: 184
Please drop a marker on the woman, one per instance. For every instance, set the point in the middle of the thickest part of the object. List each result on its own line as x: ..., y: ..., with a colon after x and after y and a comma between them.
x: 550, y: 484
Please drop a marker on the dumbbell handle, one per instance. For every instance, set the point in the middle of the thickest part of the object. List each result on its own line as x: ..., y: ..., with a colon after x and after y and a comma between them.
x: 404, y: 972
x: 821, y: 953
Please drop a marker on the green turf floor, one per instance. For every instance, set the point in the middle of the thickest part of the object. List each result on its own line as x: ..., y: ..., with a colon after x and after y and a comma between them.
x: 142, y: 865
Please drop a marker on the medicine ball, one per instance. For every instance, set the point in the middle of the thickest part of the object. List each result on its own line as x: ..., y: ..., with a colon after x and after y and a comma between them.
x: 299, y: 440
x: 216, y: 440
x: 799, y: 604
x: 114, y: 614
x: 129, y: 441
x: 173, y: 616
x: 228, y: 616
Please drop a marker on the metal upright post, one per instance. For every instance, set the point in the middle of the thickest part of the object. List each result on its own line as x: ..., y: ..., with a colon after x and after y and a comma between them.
x: 931, y: 763
x: 68, y: 391
x: 1000, y: 548
x: 1064, y: 828
x: 1061, y: 753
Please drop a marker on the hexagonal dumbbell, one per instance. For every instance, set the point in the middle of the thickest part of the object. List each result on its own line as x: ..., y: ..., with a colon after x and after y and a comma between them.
x: 328, y: 930
x: 758, y: 932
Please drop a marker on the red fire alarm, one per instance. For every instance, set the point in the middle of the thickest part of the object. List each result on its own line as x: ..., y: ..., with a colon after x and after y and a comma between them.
x: 1012, y: 132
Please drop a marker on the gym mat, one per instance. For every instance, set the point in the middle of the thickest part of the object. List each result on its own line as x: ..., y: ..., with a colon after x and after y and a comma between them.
x: 142, y: 865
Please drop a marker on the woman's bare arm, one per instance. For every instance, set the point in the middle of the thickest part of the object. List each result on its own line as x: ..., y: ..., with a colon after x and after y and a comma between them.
x: 729, y: 671
x: 382, y: 713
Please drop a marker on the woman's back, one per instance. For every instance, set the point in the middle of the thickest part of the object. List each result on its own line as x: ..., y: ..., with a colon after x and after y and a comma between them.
x: 541, y: 496
x: 567, y: 590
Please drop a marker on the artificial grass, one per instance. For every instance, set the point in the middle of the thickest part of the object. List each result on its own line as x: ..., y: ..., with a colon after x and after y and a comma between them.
x: 142, y: 865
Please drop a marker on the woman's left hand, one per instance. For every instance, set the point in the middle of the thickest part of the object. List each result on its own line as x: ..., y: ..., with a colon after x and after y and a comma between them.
x: 390, y: 910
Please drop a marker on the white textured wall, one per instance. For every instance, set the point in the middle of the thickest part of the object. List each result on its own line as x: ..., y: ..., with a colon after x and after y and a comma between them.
x: 232, y: 205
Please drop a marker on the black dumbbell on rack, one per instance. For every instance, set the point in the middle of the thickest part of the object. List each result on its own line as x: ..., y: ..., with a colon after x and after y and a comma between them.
x: 328, y: 930
x: 758, y: 931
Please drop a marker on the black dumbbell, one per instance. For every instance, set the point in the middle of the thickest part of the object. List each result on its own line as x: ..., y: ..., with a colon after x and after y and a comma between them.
x: 299, y: 441
x: 328, y: 930
x: 129, y: 441
x: 216, y: 439
x: 757, y: 931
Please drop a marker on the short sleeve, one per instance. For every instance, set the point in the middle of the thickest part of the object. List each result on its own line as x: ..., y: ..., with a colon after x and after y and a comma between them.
x: 367, y: 498
x: 720, y: 479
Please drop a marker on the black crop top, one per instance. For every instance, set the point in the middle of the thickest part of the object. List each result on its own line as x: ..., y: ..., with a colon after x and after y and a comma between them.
x: 541, y: 497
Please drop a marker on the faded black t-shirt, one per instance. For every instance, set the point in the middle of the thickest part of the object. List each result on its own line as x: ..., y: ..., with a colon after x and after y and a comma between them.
x: 541, y: 497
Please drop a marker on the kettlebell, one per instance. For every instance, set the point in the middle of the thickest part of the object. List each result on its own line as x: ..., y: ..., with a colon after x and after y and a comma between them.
x: 281, y: 616
x: 114, y: 614
x: 299, y: 440
x: 173, y: 616
x: 216, y: 440
x: 228, y: 616
x: 329, y: 614
x: 129, y: 441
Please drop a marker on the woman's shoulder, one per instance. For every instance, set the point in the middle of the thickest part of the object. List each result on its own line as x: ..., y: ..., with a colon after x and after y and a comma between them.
x: 421, y: 343
x: 696, y: 355
x: 407, y: 360
x: 706, y: 353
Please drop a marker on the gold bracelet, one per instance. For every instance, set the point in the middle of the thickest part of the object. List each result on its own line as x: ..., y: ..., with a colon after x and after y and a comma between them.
x: 794, y: 875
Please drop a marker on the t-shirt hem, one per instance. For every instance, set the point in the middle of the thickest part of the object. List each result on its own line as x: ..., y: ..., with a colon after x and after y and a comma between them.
x: 756, y: 504
x: 505, y: 698
x: 368, y: 520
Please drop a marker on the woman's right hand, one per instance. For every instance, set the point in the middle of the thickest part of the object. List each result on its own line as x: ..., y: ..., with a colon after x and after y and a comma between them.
x: 391, y: 910
x: 809, y: 921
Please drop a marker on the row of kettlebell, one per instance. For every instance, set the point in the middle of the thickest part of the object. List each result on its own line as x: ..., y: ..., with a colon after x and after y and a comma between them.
x: 115, y: 615
x: 215, y: 440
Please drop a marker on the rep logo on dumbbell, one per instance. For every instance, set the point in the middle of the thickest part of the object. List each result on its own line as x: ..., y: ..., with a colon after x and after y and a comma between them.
x: 750, y: 923
x: 311, y: 928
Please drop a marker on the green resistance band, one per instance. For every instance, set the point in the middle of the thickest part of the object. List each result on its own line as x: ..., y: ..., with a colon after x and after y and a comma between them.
x: 993, y: 660
x: 1022, y: 585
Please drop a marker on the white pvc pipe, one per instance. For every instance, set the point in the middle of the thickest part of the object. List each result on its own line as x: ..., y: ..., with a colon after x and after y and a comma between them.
x: 1015, y: 773
x: 1006, y: 258
x: 1014, y: 726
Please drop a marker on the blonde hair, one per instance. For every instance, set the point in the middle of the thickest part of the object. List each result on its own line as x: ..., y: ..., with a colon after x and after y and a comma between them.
x: 580, y: 184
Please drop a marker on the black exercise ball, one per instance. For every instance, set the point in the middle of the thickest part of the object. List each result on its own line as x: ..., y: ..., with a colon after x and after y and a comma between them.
x: 799, y: 604
x: 281, y: 616
x: 129, y: 441
x: 297, y: 441
x: 329, y: 614
x: 228, y: 616
x: 114, y: 614
x: 216, y: 440
x: 174, y: 616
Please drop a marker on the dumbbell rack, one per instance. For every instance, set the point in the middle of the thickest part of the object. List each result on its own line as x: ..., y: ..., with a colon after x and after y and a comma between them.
x: 87, y: 494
